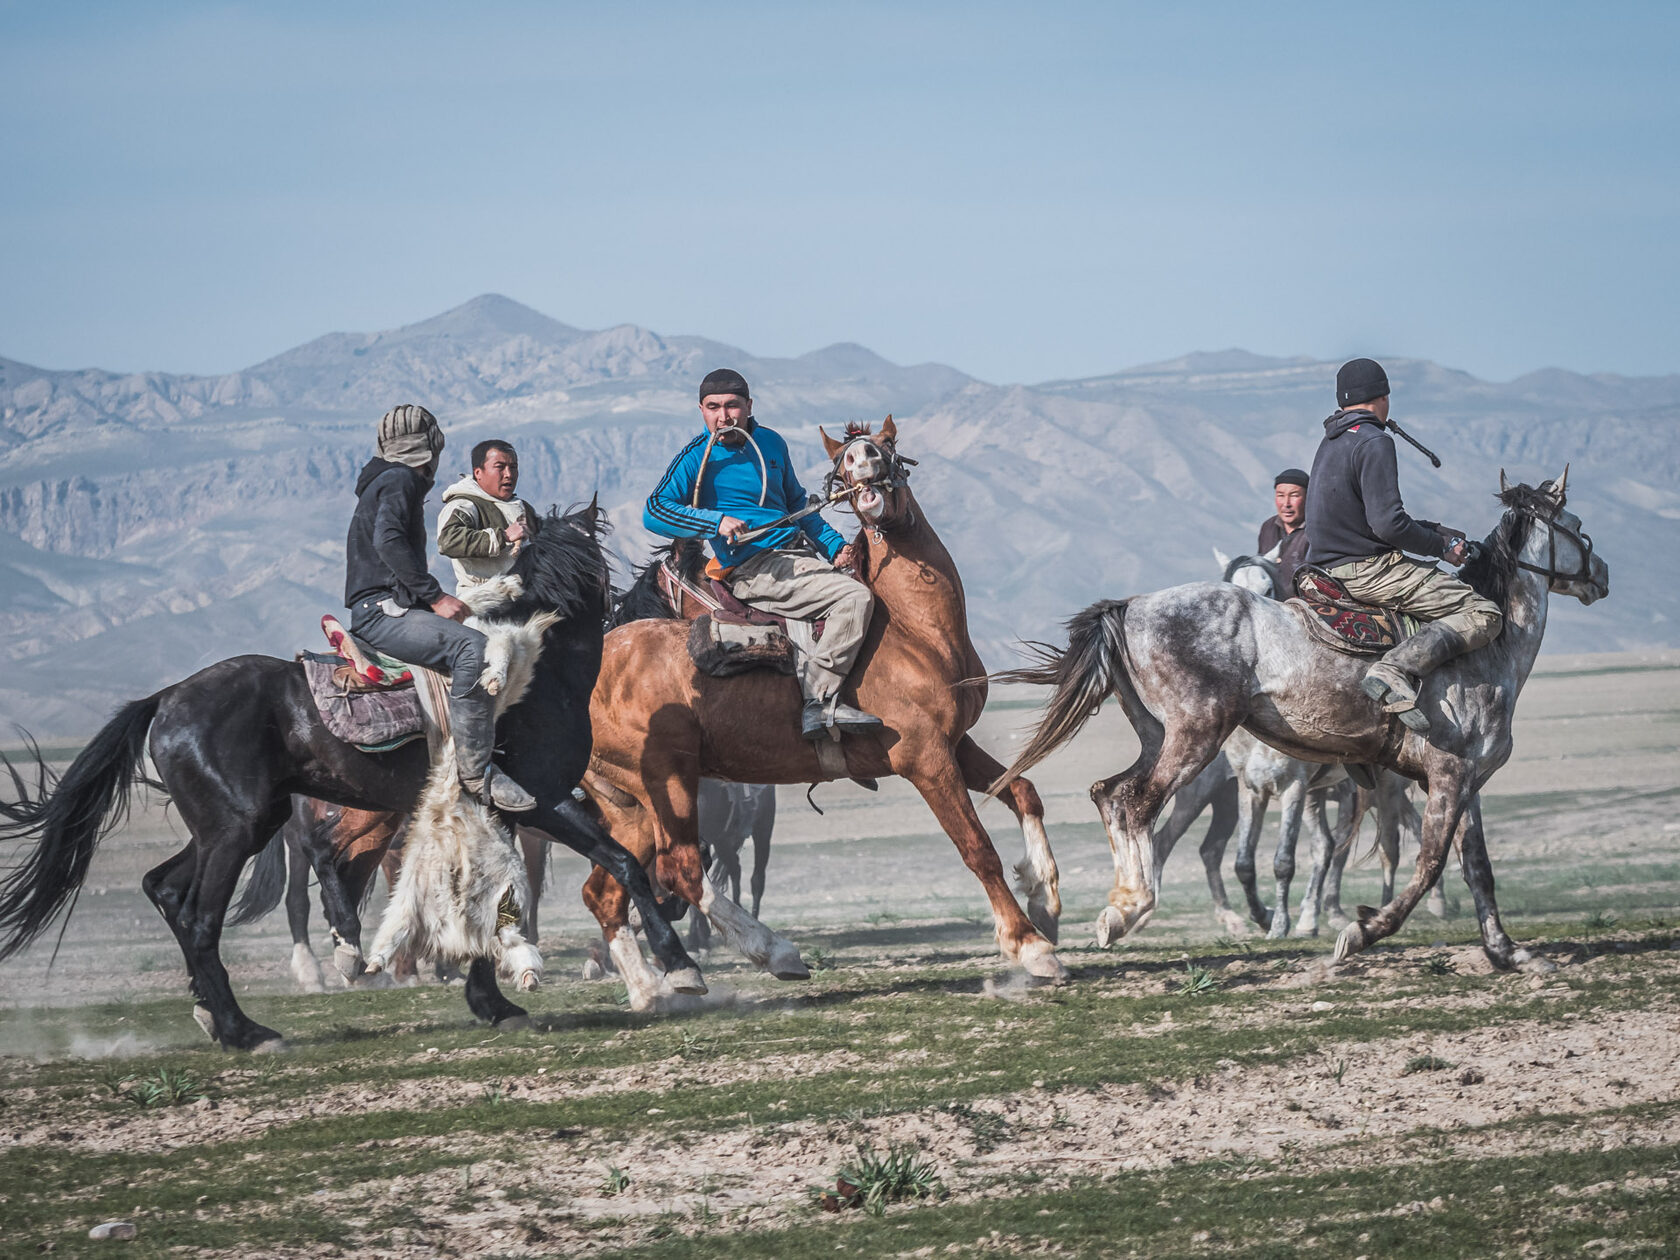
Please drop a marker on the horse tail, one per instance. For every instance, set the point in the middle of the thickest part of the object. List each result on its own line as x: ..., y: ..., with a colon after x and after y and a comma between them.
x: 67, y: 817
x: 267, y: 884
x: 1085, y: 673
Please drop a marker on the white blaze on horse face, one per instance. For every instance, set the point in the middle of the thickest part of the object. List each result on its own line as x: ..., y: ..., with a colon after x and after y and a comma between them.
x: 862, y: 465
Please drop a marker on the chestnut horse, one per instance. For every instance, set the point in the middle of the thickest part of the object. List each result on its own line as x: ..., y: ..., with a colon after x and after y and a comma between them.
x: 660, y: 725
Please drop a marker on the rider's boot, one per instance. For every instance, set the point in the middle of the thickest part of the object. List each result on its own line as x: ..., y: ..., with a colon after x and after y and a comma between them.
x: 1393, y: 681
x: 820, y: 716
x: 472, y: 722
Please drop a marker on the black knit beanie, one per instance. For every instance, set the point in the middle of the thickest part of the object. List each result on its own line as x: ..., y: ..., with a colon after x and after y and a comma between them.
x: 724, y: 381
x: 1290, y: 477
x: 1359, y: 381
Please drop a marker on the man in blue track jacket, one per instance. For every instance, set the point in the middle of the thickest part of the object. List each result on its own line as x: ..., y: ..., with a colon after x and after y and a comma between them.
x: 733, y: 477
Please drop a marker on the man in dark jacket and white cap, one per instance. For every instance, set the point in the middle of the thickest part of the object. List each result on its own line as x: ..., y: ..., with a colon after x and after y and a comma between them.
x: 1361, y: 532
x: 397, y: 606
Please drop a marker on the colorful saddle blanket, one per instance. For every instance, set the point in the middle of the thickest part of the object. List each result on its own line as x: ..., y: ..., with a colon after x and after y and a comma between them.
x: 1337, y: 619
x: 364, y: 698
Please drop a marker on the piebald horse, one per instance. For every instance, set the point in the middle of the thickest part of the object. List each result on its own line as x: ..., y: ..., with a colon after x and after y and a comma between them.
x: 660, y: 725
x: 1192, y: 663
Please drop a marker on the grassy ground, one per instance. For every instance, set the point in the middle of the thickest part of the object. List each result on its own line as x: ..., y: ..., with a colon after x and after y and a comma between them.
x: 1188, y: 1094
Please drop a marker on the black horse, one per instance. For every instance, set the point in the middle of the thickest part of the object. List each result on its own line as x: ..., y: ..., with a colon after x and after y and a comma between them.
x: 232, y: 744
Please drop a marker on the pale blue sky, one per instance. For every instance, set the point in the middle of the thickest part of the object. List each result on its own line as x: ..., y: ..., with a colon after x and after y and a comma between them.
x: 1022, y: 192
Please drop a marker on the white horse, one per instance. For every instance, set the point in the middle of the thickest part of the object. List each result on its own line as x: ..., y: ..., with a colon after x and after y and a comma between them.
x: 1192, y: 663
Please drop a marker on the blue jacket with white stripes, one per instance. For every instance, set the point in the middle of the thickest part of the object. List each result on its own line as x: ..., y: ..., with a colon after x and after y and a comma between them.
x: 735, y: 483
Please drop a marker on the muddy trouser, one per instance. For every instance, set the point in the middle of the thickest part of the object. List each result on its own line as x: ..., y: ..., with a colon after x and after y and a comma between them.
x: 1396, y: 580
x: 421, y: 637
x: 803, y: 587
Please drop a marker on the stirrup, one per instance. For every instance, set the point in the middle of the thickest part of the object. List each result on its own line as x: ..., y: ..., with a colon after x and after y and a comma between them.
x: 1395, y: 703
x: 498, y: 791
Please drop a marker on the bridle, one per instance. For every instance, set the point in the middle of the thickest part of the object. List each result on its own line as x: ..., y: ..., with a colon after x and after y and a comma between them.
x: 1548, y: 516
x: 898, y: 466
x: 1268, y: 567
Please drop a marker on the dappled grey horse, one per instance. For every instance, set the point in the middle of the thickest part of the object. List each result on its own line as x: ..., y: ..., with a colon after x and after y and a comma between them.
x: 1192, y: 663
x: 730, y: 815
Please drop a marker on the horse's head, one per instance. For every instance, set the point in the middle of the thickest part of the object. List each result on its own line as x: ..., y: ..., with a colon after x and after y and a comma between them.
x: 563, y: 566
x: 870, y: 464
x: 1563, y: 553
x: 1252, y: 573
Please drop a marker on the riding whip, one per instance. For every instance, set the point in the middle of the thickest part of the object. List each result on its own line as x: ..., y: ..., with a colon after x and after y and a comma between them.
x: 1433, y: 457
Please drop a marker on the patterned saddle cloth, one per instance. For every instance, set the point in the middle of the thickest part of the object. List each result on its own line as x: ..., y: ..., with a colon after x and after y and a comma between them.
x: 365, y: 698
x: 1340, y: 621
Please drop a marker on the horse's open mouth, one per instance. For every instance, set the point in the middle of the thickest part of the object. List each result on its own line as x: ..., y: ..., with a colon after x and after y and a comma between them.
x: 869, y: 500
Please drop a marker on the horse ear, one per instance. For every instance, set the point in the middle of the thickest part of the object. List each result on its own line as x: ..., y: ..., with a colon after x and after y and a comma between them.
x: 1220, y: 558
x: 1557, y: 489
x: 1504, y: 486
x: 829, y: 444
x: 1275, y: 554
x: 889, y: 430
x: 594, y: 511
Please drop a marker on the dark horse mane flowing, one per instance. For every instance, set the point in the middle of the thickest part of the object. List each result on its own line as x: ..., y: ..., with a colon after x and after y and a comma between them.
x: 643, y: 600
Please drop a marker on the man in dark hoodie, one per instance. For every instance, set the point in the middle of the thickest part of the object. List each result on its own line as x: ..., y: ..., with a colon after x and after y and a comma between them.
x: 1361, y: 532
x: 398, y: 607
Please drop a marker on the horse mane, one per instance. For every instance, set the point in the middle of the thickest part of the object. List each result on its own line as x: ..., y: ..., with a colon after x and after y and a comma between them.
x: 643, y: 600
x: 564, y: 567
x: 1490, y: 574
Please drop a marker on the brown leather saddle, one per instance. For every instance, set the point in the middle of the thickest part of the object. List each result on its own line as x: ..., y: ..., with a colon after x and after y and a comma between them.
x: 1342, y: 622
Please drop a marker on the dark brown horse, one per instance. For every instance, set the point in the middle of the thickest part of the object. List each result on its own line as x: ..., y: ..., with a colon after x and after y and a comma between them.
x: 660, y: 725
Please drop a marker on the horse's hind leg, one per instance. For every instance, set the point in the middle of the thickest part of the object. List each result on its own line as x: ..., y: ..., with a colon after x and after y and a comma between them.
x: 1035, y: 874
x: 221, y: 847
x: 306, y: 968
x: 1212, y: 853
x: 1347, y: 832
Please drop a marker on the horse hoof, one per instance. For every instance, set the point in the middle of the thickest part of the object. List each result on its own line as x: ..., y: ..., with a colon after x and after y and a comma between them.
x: 592, y: 970
x: 348, y: 960
x: 528, y: 981
x: 1111, y: 926
x: 274, y: 1044
x: 1529, y: 964
x: 514, y: 1023
x: 205, y: 1020
x: 1046, y: 920
x: 786, y: 964
x: 1350, y: 942
x: 1041, y: 963
x: 688, y: 981
x: 1279, y: 928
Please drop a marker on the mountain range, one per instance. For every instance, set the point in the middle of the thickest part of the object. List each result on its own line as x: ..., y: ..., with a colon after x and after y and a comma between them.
x: 152, y: 523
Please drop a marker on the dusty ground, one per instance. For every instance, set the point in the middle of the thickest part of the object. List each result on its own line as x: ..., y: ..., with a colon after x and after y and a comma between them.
x: 1266, y: 1069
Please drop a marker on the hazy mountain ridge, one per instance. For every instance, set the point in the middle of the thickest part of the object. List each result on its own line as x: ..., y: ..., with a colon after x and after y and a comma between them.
x: 152, y: 523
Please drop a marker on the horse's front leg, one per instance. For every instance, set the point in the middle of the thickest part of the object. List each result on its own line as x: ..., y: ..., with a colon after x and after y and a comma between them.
x: 943, y: 786
x: 1478, y: 874
x: 1251, y: 816
x: 1035, y: 874
x: 1450, y: 793
x: 569, y: 823
x: 1324, y: 848
x: 1293, y: 802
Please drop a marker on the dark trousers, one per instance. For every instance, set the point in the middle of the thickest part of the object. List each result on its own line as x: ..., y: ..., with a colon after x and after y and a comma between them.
x: 421, y: 637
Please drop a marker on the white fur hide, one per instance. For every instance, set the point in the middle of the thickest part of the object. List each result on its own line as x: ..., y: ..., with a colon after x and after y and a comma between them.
x: 459, y: 862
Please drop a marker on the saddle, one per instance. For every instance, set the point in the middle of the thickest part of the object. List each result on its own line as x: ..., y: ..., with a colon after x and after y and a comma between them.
x: 1340, y: 621
x: 364, y: 698
x: 731, y: 637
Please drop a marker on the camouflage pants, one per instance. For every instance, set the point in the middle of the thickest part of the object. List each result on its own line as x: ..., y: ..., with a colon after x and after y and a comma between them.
x: 1396, y: 580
